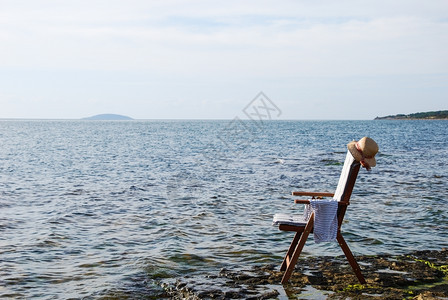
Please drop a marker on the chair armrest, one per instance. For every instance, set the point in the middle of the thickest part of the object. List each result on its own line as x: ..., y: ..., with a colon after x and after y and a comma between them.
x: 313, y: 194
x: 300, y: 201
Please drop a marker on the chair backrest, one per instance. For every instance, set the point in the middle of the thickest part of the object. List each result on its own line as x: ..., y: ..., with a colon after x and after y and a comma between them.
x: 345, y: 185
x: 347, y: 179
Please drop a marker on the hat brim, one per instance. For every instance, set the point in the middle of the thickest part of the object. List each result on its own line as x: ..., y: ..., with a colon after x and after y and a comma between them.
x: 355, y: 153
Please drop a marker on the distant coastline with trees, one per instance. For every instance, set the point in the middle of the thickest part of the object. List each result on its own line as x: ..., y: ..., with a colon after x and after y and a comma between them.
x: 430, y: 115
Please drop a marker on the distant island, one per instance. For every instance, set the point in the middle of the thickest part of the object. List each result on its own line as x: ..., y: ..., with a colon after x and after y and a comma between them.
x: 108, y: 117
x: 430, y: 115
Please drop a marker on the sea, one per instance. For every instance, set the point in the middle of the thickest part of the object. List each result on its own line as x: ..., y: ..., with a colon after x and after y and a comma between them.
x: 113, y: 209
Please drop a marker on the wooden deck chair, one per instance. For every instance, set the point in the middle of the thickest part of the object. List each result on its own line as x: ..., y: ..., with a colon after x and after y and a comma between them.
x: 304, y: 227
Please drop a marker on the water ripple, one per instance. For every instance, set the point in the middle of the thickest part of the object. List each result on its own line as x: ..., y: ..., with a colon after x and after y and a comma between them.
x: 106, y: 209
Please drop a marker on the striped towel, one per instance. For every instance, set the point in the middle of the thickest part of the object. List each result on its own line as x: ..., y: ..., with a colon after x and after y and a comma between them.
x: 325, y: 220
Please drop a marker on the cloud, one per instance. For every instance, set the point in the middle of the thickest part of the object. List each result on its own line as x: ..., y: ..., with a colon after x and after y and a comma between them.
x: 206, y: 47
x: 182, y: 38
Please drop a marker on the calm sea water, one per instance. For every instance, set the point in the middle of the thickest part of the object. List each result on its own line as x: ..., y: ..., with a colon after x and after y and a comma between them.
x: 105, y: 208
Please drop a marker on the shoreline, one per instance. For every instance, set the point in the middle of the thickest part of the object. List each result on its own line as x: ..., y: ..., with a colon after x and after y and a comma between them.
x: 411, y: 119
x: 429, y: 115
x: 417, y: 275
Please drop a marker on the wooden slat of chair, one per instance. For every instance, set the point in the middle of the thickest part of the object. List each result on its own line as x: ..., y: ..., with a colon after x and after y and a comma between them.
x: 295, y: 249
x: 351, y: 259
x: 312, y: 194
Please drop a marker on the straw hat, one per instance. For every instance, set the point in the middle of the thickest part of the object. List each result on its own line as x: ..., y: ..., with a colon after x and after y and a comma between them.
x: 364, y: 151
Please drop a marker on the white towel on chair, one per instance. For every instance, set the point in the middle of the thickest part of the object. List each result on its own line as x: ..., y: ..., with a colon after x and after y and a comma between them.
x: 286, y: 219
x: 325, y: 220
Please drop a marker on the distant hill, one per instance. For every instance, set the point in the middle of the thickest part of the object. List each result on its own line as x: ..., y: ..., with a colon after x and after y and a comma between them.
x: 108, y: 117
x: 430, y: 115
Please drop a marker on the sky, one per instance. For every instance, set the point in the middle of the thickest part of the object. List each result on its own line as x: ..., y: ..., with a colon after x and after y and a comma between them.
x: 201, y: 59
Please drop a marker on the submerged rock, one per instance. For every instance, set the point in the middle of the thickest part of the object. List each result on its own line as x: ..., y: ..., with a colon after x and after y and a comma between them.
x: 417, y: 275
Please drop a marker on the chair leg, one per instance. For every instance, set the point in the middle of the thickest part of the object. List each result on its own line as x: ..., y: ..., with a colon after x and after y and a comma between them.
x: 291, y: 249
x: 298, y: 249
x: 350, y: 258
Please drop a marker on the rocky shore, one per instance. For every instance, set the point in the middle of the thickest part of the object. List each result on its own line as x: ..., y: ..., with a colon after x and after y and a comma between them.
x: 417, y: 275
